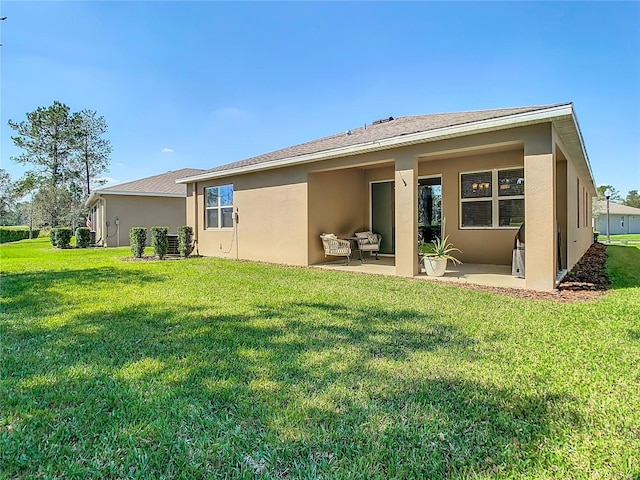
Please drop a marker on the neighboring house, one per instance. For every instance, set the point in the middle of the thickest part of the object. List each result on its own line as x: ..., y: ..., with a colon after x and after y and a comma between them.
x: 151, y: 201
x: 622, y: 219
x: 484, y: 171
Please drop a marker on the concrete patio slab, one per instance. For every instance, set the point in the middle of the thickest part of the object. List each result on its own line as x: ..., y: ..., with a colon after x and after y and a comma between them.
x: 474, y: 273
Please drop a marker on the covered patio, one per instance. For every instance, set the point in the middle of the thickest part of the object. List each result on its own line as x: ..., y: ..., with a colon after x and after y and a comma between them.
x: 474, y: 273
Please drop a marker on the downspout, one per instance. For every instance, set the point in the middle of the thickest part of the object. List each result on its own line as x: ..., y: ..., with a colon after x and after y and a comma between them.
x: 103, y: 221
x: 195, y: 210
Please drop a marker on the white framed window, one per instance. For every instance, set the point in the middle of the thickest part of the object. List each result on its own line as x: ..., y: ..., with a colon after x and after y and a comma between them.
x: 218, y: 206
x: 492, y: 198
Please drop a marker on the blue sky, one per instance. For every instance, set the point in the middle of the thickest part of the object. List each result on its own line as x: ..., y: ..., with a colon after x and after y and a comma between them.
x: 200, y: 84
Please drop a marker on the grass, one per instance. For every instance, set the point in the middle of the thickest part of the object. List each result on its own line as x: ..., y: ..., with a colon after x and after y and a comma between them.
x: 634, y: 237
x: 207, y: 368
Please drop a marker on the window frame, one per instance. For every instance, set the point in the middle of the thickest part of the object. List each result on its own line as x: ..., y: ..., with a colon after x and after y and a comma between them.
x: 219, y: 207
x: 494, y: 198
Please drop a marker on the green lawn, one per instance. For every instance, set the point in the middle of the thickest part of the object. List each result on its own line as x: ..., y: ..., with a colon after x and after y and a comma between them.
x: 207, y: 368
x: 634, y: 237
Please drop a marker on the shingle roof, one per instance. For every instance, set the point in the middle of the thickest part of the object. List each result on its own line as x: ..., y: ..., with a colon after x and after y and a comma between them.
x: 164, y: 183
x: 615, y: 208
x: 376, y: 132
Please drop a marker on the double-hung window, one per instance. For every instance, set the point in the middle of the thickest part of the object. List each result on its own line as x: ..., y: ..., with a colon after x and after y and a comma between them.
x: 219, y: 206
x: 492, y: 198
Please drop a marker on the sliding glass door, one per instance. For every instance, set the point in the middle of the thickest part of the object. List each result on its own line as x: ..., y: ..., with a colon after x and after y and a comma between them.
x: 383, y: 214
x: 429, y: 208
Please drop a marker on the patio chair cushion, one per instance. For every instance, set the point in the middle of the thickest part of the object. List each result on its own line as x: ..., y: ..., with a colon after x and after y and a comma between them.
x: 371, y: 238
x: 333, y: 245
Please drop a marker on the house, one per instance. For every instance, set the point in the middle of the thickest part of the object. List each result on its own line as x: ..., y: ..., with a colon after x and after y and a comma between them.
x: 151, y: 201
x: 622, y: 218
x: 485, y: 171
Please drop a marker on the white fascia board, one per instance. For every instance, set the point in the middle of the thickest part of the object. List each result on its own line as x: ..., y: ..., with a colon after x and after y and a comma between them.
x: 138, y: 194
x: 520, y: 119
x: 584, y: 150
x: 92, y: 198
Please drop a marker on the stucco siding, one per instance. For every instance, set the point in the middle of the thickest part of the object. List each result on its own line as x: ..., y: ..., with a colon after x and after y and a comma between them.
x: 335, y: 206
x: 580, y: 231
x: 477, y: 245
x: 272, y: 218
x: 137, y: 211
x: 282, y: 212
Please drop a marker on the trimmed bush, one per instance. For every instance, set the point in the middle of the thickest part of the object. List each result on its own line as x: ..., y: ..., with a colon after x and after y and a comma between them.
x: 159, y: 241
x: 52, y: 237
x: 63, y: 237
x: 185, y: 240
x: 14, y: 234
x: 138, y: 239
x: 83, y: 237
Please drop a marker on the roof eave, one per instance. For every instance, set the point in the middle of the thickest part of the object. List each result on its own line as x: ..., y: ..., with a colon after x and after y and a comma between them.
x: 482, y: 126
x: 134, y: 194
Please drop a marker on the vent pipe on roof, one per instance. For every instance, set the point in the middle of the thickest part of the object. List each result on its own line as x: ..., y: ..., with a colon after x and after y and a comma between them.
x: 382, y: 120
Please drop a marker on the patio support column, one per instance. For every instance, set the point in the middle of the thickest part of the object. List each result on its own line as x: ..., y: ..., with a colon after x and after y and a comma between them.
x: 406, y: 216
x: 540, y: 216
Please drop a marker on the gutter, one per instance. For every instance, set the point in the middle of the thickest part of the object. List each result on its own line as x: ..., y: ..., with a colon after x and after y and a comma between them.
x: 98, y: 193
x: 520, y: 119
x: 94, y: 197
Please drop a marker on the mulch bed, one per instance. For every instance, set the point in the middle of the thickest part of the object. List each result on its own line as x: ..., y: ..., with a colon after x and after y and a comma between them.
x: 153, y: 258
x: 586, y: 281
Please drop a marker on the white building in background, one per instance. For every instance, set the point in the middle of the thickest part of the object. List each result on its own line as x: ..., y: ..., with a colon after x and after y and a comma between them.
x: 622, y: 219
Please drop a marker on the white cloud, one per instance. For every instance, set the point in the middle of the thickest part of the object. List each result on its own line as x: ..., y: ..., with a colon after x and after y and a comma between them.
x: 167, y: 150
x: 119, y: 164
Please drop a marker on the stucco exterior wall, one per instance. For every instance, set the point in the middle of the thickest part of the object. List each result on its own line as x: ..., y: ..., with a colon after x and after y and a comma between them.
x: 335, y: 206
x: 272, y: 218
x: 579, y: 211
x: 137, y: 211
x: 477, y: 245
x: 282, y: 212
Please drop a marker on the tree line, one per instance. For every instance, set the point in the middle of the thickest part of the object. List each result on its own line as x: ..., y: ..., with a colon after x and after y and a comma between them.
x: 632, y: 199
x: 67, y: 152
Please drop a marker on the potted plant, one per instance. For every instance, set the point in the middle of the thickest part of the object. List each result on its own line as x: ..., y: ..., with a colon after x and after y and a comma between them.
x: 436, y: 254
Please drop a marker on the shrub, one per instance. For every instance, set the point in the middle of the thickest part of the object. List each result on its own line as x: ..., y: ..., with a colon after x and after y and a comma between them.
x: 159, y: 241
x: 52, y: 237
x: 14, y: 234
x: 138, y: 239
x: 83, y: 237
x: 63, y: 237
x: 185, y: 240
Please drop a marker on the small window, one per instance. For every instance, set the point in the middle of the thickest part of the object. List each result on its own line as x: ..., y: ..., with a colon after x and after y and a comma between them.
x: 483, y: 206
x: 219, y: 206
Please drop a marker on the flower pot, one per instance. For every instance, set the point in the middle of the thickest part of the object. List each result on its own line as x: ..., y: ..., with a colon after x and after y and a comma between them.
x: 434, y: 266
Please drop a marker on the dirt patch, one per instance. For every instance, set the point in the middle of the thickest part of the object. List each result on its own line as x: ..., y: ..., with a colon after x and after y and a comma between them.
x: 586, y: 281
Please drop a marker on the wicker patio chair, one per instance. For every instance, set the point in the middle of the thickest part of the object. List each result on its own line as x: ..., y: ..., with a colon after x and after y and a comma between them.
x: 368, y: 242
x: 336, y: 247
